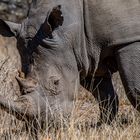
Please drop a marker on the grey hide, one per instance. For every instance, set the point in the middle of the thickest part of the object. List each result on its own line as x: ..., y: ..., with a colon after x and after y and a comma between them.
x: 63, y: 46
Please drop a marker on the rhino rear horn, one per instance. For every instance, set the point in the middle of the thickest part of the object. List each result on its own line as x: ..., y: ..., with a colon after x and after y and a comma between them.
x: 53, y: 20
x: 9, y: 29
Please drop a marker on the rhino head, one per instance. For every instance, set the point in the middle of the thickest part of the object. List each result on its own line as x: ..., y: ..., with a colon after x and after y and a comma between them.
x: 48, y: 60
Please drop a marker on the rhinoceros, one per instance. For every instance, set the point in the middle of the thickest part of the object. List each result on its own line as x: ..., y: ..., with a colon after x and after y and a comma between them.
x: 65, y: 43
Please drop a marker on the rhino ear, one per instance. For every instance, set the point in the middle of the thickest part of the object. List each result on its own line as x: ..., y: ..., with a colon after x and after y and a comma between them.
x: 9, y: 29
x: 53, y: 20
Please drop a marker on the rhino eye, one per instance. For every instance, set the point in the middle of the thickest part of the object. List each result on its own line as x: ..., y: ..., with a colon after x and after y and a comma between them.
x: 56, y: 82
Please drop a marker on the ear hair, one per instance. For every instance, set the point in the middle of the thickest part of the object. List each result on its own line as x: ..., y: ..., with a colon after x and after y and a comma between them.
x: 9, y: 29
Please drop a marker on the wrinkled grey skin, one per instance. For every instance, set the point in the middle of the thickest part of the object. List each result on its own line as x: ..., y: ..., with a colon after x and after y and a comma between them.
x: 75, y: 50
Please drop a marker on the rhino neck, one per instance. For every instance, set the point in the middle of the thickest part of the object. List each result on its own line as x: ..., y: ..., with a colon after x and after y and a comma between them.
x: 93, y: 48
x: 86, y: 50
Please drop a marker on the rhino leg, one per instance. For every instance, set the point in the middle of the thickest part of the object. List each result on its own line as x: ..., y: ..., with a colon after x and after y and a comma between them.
x: 128, y: 59
x: 103, y: 91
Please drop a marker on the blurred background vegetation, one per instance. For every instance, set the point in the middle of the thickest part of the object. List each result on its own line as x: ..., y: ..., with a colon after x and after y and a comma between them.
x: 14, y: 10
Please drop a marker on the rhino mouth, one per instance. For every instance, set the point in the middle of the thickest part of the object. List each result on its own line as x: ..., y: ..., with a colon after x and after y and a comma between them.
x: 33, y: 102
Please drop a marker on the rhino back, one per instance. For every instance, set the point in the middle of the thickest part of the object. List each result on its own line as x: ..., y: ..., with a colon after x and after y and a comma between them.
x: 116, y: 21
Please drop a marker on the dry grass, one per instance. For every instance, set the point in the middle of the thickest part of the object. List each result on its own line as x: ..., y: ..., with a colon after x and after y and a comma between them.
x: 125, y: 127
